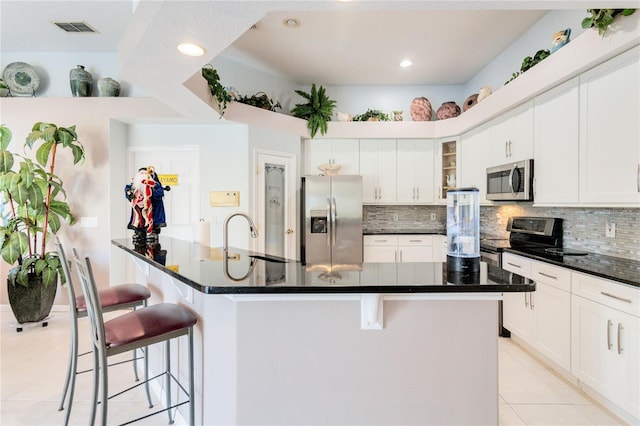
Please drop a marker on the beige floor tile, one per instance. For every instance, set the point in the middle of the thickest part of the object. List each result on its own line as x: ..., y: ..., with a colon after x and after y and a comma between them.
x: 551, y: 414
x: 508, y: 417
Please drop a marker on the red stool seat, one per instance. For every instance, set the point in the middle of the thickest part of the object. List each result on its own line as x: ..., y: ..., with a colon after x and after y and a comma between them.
x: 148, y: 323
x: 117, y: 296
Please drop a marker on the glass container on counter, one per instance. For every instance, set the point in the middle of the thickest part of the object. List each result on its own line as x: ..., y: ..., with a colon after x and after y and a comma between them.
x: 463, y: 229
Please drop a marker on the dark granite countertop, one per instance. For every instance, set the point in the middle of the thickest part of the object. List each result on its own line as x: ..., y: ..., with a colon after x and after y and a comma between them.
x: 247, y: 272
x: 613, y: 268
x: 383, y: 231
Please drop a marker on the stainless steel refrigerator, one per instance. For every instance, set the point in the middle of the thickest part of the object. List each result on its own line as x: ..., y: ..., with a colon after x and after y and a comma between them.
x: 332, y: 217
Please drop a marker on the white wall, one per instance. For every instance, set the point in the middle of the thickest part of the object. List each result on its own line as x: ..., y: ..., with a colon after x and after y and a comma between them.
x: 539, y: 36
x: 53, y: 69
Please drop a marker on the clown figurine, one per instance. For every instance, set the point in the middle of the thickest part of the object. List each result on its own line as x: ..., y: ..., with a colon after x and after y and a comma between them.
x: 145, y: 192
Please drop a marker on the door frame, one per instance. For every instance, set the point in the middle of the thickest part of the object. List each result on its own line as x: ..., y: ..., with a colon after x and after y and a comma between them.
x: 260, y: 157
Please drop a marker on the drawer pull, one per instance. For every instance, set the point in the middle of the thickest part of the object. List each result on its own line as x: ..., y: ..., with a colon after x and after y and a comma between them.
x: 622, y: 299
x: 380, y: 241
x: 514, y: 265
x: 415, y: 241
x: 548, y: 276
x: 620, y: 328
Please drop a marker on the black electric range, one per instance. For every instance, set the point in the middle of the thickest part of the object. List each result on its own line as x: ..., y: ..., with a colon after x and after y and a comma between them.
x: 539, y: 235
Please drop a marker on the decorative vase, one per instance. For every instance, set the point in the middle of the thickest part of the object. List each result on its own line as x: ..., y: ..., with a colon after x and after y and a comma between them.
x: 81, y: 82
x: 108, y: 87
x: 470, y: 101
x: 31, y: 303
x: 448, y: 110
x: 421, y: 109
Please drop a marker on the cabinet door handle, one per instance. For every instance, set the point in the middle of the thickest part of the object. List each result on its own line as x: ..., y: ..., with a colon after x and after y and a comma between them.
x: 400, y: 256
x: 609, y: 324
x: 395, y: 258
x: 638, y: 177
x: 620, y: 328
x: 506, y: 148
x: 531, y: 301
x: 525, y: 300
x: 510, y: 151
x: 613, y: 296
x: 417, y: 193
x: 514, y: 265
x: 548, y: 276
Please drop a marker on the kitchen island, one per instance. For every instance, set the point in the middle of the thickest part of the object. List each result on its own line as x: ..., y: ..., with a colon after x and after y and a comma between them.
x: 278, y: 342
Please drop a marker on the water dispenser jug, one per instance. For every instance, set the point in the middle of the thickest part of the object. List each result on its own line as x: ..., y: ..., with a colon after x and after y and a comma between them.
x: 463, y: 230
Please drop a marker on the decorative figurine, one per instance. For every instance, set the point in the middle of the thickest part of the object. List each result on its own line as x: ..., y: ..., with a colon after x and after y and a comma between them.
x: 484, y: 93
x: 145, y: 192
x: 397, y: 115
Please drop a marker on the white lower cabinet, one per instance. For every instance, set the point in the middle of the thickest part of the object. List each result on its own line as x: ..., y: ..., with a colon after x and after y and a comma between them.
x: 552, y: 307
x: 397, y: 248
x: 605, y: 340
x: 541, y: 318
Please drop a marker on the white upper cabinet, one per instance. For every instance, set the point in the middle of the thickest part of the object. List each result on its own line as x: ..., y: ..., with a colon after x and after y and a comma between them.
x: 556, y: 145
x: 378, y: 170
x: 415, y: 159
x: 512, y: 135
x: 474, y: 160
x: 610, y: 131
x: 342, y: 152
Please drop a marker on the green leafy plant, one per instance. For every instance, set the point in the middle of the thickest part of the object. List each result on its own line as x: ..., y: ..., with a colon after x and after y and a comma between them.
x: 2, y: 85
x: 260, y: 100
x: 529, y: 62
x: 317, y: 111
x: 603, y: 18
x: 217, y: 89
x: 33, y: 201
x: 372, y: 115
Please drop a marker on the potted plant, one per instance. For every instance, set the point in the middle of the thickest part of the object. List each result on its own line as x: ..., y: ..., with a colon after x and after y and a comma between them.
x: 602, y: 18
x: 34, y: 208
x: 317, y: 111
x: 217, y: 89
x: 372, y: 115
x: 259, y: 100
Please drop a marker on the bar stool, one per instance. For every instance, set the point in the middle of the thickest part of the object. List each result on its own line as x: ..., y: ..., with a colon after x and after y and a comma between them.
x: 136, y: 329
x: 125, y: 296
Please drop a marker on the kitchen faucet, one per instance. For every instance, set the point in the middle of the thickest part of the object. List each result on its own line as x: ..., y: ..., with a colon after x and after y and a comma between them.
x: 252, y: 229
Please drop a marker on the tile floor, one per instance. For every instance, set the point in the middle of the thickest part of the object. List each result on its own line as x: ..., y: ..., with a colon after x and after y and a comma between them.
x: 33, y: 365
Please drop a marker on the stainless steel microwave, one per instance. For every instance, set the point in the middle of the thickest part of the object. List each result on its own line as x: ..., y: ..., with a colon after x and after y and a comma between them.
x: 511, y: 182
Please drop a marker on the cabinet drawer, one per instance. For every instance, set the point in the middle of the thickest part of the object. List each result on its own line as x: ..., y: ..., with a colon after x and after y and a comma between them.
x: 415, y: 240
x: 517, y: 264
x: 609, y: 293
x: 380, y: 240
x: 554, y: 276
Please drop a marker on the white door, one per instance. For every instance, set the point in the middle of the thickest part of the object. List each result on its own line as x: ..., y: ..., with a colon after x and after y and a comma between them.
x: 181, y: 205
x: 275, y: 208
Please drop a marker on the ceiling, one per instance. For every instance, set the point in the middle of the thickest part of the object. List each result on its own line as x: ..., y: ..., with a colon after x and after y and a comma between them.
x: 337, y: 43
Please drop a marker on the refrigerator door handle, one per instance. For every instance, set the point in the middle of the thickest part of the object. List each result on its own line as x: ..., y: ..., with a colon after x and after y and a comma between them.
x: 329, y: 222
x: 333, y: 220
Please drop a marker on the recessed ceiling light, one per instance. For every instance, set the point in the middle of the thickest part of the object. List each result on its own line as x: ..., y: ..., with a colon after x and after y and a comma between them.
x: 291, y: 23
x: 190, y: 49
x: 406, y: 63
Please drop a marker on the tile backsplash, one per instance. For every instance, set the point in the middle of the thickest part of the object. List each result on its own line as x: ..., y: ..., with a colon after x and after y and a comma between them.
x: 584, y: 228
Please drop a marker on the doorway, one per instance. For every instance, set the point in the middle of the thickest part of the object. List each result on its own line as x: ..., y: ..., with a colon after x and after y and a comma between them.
x: 275, y: 205
x: 180, y: 166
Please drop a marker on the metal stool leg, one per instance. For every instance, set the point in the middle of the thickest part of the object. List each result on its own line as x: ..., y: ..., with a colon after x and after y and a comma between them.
x: 168, y: 377
x: 192, y: 410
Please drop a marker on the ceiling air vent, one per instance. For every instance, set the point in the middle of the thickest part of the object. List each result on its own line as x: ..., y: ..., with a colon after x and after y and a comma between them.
x: 75, y: 27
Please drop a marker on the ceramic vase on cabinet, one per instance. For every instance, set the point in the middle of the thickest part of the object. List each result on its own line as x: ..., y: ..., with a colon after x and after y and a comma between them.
x: 81, y: 82
x: 448, y: 110
x: 108, y: 87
